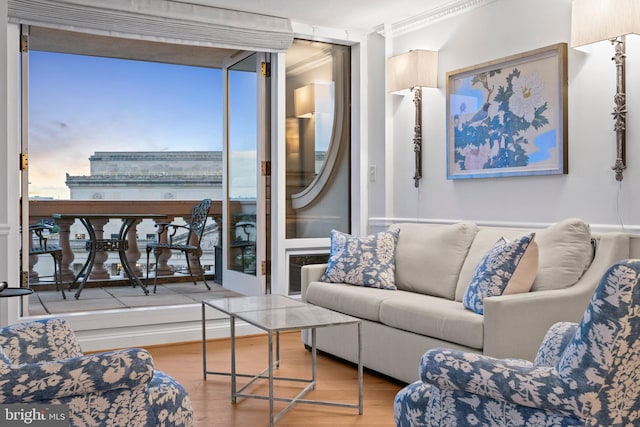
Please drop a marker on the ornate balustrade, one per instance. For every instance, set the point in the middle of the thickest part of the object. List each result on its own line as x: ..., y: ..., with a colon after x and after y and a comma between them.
x: 44, y: 209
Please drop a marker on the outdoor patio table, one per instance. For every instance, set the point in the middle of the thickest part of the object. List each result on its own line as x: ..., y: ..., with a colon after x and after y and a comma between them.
x: 7, y: 292
x: 95, y: 245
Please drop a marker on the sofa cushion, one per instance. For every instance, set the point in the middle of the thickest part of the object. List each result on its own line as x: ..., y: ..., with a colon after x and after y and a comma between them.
x: 352, y: 300
x: 564, y: 254
x: 429, y: 257
x: 433, y: 317
x: 508, y: 268
x: 482, y: 243
x: 365, y: 261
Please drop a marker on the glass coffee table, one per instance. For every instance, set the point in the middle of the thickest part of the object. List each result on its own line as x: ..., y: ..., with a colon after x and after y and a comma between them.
x: 275, y: 314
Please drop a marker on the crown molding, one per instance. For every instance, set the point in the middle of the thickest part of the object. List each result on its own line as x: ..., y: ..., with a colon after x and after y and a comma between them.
x: 446, y: 10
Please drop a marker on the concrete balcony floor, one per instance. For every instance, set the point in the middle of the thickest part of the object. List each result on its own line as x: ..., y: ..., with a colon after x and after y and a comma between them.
x: 46, y: 300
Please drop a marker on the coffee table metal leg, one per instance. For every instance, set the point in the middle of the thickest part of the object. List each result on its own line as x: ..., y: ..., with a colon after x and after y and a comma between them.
x: 232, y: 324
x: 360, y: 373
x: 277, y: 349
x: 314, y: 358
x: 271, y: 418
x: 204, y: 346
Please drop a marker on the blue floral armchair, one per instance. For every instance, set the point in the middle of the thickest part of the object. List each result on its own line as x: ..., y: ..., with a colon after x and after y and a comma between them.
x: 585, y: 374
x: 41, y: 362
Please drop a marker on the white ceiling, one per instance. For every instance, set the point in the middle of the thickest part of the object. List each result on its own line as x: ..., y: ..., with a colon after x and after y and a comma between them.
x: 363, y: 15
x: 357, y: 15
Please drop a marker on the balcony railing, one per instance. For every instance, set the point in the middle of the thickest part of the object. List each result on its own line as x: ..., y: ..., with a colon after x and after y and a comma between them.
x: 72, y: 236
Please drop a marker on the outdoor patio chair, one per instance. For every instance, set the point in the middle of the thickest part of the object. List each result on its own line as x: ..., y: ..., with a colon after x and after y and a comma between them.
x: 186, y: 238
x: 41, y: 363
x: 41, y: 245
x: 246, y: 244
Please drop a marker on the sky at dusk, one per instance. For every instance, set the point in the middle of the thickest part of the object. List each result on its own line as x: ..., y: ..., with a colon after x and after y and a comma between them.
x: 80, y: 104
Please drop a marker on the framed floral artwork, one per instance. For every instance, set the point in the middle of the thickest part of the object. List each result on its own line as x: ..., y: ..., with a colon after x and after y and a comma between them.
x: 509, y: 117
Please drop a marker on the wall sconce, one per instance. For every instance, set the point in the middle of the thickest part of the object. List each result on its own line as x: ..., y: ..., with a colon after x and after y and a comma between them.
x: 304, y: 101
x: 292, y: 134
x: 414, y: 70
x: 313, y: 98
x: 597, y: 20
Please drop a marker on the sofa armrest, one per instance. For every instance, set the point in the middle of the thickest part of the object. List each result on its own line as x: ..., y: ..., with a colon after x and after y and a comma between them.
x: 514, y: 325
x: 310, y: 273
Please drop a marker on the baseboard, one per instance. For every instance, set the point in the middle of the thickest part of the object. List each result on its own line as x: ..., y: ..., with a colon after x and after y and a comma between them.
x: 107, y: 339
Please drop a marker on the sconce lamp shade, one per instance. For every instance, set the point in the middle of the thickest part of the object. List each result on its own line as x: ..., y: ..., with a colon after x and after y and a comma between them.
x: 304, y: 101
x: 597, y: 20
x: 313, y: 98
x: 411, y: 69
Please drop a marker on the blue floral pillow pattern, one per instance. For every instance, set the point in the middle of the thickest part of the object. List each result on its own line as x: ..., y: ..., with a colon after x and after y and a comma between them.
x: 365, y: 261
x: 508, y: 268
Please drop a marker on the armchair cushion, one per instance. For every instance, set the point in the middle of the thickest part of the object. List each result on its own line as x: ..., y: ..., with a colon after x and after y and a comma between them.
x: 454, y: 408
x: 80, y: 375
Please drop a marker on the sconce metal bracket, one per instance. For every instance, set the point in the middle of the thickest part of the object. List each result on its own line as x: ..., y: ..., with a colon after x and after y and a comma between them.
x: 620, y: 108
x: 417, y: 135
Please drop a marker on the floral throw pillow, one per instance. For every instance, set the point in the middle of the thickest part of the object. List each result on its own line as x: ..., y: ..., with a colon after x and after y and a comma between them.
x: 365, y: 261
x: 508, y: 268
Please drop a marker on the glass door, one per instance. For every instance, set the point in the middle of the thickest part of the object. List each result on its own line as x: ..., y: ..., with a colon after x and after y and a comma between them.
x: 245, y: 137
x: 25, y: 235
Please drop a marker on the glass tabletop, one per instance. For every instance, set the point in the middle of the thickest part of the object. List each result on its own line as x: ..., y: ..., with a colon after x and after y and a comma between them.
x: 234, y: 305
x: 279, y: 313
x: 291, y: 318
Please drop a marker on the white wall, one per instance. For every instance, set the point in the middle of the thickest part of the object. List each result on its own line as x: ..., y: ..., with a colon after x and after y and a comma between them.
x: 376, y: 124
x: 590, y: 191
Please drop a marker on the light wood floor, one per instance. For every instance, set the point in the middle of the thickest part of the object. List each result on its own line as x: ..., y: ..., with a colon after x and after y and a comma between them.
x: 336, y: 381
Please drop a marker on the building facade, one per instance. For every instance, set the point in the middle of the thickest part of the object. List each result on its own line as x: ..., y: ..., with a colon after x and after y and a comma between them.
x: 150, y: 175
x: 146, y: 175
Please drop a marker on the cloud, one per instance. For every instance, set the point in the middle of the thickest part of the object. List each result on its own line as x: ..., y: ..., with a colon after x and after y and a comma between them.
x: 243, y: 173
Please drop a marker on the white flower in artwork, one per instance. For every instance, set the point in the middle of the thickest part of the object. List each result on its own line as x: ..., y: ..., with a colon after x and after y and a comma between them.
x: 527, y: 96
x: 476, y: 157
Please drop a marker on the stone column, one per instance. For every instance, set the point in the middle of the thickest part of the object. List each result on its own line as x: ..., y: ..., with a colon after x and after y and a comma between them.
x: 34, y: 277
x: 98, y: 272
x: 162, y: 266
x: 193, y: 258
x: 133, y: 252
x: 64, y: 225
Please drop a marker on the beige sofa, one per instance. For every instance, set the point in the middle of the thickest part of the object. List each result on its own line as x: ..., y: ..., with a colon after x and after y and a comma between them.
x: 434, y: 264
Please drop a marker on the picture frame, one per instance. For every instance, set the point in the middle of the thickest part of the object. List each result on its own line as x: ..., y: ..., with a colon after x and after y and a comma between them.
x: 508, y: 117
